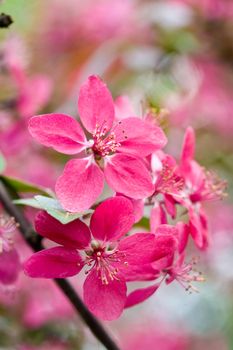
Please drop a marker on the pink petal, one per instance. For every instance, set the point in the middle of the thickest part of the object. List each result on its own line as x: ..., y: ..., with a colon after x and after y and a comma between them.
x: 9, y: 266
x: 95, y: 104
x: 123, y: 107
x: 167, y: 230
x: 138, y: 208
x: 57, y: 262
x: 112, y: 219
x: 128, y: 175
x: 30, y: 102
x: 132, y: 245
x: 170, y: 205
x: 59, y: 131
x: 106, y: 301
x: 140, y: 295
x: 188, y: 149
x: 157, y: 217
x: 80, y: 185
x: 183, y: 235
x: 165, y: 245
x: 198, y: 228
x: 138, y: 137
x: 195, y: 177
x: 144, y: 272
x: 74, y: 235
x: 163, y: 263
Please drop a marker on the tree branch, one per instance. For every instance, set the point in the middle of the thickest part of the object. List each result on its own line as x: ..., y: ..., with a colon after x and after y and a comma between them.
x: 31, y: 237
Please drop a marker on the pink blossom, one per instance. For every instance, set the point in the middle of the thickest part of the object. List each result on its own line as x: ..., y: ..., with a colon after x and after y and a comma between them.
x: 200, y: 186
x: 110, y: 259
x: 213, y: 9
x: 151, y: 334
x: 168, y: 187
x: 28, y: 101
x: 210, y: 102
x: 32, y: 93
x: 116, y: 150
x: 44, y: 303
x: 9, y: 259
x: 183, y: 273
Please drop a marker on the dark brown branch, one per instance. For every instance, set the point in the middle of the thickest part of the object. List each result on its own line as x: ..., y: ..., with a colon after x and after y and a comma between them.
x: 31, y: 238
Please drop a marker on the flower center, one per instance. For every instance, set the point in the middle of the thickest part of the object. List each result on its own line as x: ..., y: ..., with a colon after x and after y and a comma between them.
x: 104, y: 143
x: 106, y: 261
x: 168, y: 181
x: 213, y: 188
x: 185, y: 274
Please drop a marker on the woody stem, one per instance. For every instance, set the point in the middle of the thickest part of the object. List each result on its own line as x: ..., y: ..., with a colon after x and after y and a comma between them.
x: 34, y: 241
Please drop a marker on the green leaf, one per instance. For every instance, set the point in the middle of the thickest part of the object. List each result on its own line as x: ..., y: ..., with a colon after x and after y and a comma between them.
x: 25, y: 187
x: 2, y: 163
x: 144, y: 222
x: 53, y: 208
x: 31, y: 202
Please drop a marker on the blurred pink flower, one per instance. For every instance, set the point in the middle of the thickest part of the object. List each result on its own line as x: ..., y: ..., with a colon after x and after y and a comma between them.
x: 9, y: 258
x: 76, y: 23
x: 154, y: 335
x: 116, y: 151
x: 210, y: 104
x: 31, y: 93
x: 44, y: 303
x: 212, y: 8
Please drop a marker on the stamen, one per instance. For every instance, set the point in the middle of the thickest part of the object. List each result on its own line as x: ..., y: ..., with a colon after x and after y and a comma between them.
x: 104, y: 144
x: 184, y: 274
x: 104, y: 262
x: 168, y: 181
x: 214, y: 187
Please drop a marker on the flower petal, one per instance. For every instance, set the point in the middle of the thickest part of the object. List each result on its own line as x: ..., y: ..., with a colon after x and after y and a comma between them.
x: 183, y: 235
x: 128, y: 175
x: 157, y: 217
x: 59, y: 131
x: 188, y: 148
x: 165, y: 241
x: 57, y: 262
x: 30, y: 102
x: 106, y: 301
x: 123, y: 107
x: 144, y: 272
x: 95, y: 104
x: 170, y: 205
x: 9, y: 266
x: 74, y: 235
x: 198, y: 228
x: 140, y: 295
x: 112, y: 219
x: 138, y: 137
x: 80, y: 185
x: 132, y: 245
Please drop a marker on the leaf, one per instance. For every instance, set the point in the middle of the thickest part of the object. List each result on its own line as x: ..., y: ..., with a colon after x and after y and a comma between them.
x: 144, y: 222
x: 2, y: 163
x: 24, y: 187
x: 31, y: 202
x: 53, y: 208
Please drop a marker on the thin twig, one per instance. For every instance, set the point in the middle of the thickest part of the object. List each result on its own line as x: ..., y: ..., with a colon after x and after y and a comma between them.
x: 31, y: 238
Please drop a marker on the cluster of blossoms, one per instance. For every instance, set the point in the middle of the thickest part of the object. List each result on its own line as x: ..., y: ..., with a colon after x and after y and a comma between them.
x: 122, y: 153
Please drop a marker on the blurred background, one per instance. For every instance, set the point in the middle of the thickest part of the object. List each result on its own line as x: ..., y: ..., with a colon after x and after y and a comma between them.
x: 174, y: 56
